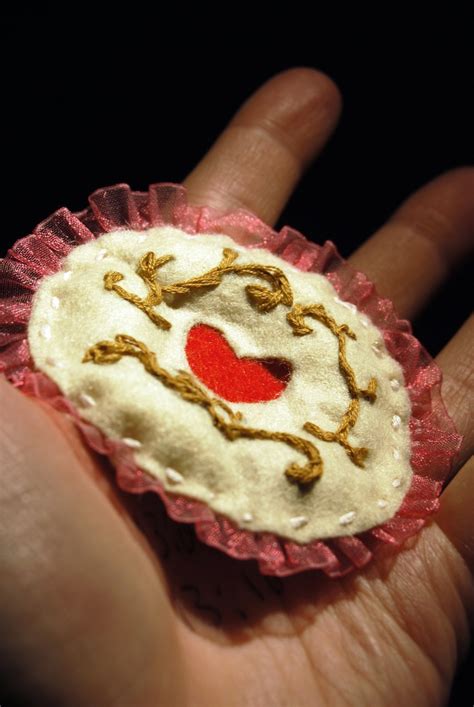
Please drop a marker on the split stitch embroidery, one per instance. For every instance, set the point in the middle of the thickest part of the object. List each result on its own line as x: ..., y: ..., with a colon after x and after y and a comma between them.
x: 296, y: 320
x: 184, y: 384
x: 264, y: 299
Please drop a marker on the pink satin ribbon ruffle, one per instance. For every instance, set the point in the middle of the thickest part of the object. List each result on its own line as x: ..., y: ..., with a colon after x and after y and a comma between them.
x: 434, y: 440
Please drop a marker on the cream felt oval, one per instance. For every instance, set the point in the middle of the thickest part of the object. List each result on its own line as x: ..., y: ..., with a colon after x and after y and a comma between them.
x: 173, y: 438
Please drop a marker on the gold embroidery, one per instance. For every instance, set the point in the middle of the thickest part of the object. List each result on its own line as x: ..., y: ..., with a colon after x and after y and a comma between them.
x: 147, y: 269
x: 296, y: 319
x: 265, y: 300
x: 184, y: 384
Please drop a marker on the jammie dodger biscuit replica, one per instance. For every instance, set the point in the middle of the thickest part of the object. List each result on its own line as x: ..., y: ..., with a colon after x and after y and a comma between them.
x: 249, y: 377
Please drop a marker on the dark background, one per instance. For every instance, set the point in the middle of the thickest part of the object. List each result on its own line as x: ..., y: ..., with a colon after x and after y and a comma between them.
x: 129, y: 95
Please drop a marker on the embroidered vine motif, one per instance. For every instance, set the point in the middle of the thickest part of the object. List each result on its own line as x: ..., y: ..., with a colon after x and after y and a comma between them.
x: 264, y: 299
x: 296, y: 319
x: 184, y: 384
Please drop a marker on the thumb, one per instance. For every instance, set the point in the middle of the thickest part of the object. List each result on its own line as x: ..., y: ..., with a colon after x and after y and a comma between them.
x: 84, y: 617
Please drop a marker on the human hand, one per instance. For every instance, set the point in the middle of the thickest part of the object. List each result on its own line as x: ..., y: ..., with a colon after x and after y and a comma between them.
x: 105, y: 601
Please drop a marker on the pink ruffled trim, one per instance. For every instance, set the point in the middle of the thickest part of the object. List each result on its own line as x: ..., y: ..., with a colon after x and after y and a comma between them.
x: 435, y: 441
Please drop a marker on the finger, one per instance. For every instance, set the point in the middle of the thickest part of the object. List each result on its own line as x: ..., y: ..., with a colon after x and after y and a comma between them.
x: 260, y: 156
x: 422, y: 241
x: 457, y: 501
x: 67, y: 596
x: 455, y: 514
x: 457, y: 363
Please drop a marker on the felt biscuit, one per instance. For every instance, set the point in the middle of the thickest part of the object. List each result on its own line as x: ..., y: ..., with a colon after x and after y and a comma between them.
x: 249, y: 377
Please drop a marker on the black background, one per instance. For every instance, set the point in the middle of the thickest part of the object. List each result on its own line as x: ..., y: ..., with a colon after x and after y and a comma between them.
x: 134, y: 95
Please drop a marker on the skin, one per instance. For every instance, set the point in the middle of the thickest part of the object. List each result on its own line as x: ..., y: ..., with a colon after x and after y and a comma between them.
x: 104, y: 601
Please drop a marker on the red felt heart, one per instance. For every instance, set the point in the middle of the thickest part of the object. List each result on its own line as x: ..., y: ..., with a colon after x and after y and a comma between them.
x: 238, y: 380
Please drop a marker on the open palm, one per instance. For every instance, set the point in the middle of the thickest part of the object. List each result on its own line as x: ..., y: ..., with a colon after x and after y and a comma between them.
x: 105, y: 601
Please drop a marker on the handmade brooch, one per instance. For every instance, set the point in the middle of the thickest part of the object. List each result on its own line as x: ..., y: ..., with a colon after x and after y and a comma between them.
x: 249, y: 377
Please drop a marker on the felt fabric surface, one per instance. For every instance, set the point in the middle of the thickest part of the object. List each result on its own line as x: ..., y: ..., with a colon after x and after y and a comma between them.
x: 174, y: 440
x: 238, y: 380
